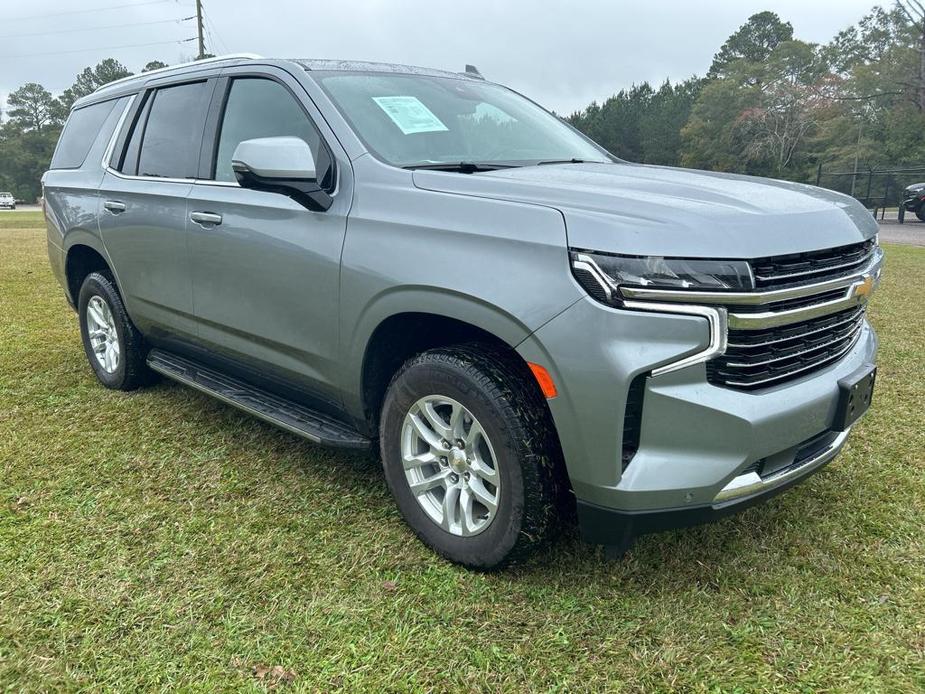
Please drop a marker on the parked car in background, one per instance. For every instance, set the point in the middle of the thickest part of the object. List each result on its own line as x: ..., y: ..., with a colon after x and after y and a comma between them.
x: 914, y: 199
x: 368, y: 254
x: 7, y: 201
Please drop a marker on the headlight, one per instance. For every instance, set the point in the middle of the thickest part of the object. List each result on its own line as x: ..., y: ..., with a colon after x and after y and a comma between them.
x: 656, y: 272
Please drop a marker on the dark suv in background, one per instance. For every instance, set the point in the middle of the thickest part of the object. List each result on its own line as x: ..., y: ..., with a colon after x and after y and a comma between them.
x: 914, y: 200
x: 368, y: 254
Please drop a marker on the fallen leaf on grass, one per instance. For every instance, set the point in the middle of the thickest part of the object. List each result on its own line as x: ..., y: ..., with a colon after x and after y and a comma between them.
x: 274, y: 675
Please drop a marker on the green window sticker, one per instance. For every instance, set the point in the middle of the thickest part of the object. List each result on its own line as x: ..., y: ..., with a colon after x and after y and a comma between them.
x: 409, y: 114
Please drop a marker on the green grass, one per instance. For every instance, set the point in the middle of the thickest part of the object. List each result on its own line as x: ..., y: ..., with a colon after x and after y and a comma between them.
x: 159, y: 539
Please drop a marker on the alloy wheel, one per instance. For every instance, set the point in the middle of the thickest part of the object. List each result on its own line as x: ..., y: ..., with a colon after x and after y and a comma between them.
x: 104, y: 339
x: 450, y: 465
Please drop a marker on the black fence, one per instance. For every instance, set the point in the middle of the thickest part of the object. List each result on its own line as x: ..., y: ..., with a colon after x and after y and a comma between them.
x: 877, y: 189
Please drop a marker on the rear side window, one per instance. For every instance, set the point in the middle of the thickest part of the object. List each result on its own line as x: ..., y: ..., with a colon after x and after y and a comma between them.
x: 263, y: 108
x: 166, y: 139
x: 79, y: 134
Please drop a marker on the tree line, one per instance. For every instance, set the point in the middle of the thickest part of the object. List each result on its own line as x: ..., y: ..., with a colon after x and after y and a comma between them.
x: 770, y: 105
x: 773, y: 105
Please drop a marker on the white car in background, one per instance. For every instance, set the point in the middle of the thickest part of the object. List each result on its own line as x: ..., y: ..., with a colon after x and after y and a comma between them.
x: 7, y: 200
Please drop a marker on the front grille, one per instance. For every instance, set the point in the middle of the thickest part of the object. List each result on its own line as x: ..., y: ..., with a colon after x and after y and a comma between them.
x: 782, y: 271
x: 763, y: 358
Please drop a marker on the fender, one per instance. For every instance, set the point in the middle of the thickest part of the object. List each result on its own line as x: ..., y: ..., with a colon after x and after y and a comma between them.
x: 441, y: 302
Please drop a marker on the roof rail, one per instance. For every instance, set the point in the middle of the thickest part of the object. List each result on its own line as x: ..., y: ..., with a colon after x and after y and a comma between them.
x: 215, y: 59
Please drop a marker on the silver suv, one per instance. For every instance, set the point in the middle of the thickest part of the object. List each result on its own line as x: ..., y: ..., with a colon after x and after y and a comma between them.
x: 365, y: 253
x: 8, y: 201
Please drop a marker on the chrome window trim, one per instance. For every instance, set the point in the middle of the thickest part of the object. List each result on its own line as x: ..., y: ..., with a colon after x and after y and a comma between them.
x: 111, y: 145
x: 148, y: 179
x: 752, y: 483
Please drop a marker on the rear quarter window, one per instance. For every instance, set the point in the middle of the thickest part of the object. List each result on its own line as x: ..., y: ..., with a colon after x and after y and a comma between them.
x: 80, y: 132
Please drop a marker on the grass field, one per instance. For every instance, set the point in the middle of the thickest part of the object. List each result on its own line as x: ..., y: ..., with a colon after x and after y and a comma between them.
x: 160, y: 539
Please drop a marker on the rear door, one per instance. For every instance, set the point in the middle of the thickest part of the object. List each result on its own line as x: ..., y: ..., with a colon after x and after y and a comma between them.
x: 266, y: 270
x: 143, y: 199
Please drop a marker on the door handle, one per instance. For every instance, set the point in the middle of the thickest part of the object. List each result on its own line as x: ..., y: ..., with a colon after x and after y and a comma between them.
x: 114, y: 206
x: 206, y: 219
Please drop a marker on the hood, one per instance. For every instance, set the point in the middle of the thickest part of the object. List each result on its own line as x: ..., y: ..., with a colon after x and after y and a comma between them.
x: 652, y: 210
x: 915, y: 187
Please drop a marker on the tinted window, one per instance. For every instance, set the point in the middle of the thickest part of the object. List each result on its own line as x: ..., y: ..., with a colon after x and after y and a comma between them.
x: 263, y: 108
x: 173, y: 132
x: 80, y: 132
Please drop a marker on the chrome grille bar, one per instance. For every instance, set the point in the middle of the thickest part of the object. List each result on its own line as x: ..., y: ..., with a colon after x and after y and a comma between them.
x: 774, y: 360
x: 855, y: 317
x: 786, y: 375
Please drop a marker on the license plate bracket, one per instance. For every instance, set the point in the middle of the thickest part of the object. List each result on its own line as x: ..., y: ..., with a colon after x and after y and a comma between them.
x: 855, y: 393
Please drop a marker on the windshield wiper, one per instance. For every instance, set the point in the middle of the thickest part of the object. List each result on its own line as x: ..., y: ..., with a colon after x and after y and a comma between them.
x: 460, y: 166
x: 564, y: 161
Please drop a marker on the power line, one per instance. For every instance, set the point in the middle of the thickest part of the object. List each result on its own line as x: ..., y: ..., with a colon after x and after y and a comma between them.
x: 108, y: 26
x: 214, y: 33
x: 92, y: 9
x: 95, y: 48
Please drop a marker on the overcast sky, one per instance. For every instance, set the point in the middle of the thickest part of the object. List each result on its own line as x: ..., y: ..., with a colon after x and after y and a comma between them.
x: 563, y: 54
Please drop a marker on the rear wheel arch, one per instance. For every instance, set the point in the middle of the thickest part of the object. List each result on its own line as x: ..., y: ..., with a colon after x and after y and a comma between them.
x: 82, y: 260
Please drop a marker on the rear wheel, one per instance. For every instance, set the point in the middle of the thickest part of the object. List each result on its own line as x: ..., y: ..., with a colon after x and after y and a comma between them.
x: 468, y: 455
x: 114, y: 347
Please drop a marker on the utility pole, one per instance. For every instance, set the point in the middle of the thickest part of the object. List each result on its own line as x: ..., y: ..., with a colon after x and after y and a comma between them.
x: 202, y: 42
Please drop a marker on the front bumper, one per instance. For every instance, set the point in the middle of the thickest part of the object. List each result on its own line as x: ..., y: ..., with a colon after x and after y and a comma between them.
x: 694, y: 439
x: 608, y: 526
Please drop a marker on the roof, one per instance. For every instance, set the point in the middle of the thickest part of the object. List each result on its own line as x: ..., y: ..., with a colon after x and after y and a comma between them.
x: 126, y: 84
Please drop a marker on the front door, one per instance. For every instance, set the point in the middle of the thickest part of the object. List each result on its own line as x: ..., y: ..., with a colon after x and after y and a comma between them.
x: 266, y: 269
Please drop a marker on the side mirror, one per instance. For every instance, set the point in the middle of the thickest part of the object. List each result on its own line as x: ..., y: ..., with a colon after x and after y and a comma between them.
x: 280, y: 165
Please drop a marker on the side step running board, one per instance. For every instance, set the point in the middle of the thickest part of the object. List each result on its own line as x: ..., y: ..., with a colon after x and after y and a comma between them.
x: 284, y: 413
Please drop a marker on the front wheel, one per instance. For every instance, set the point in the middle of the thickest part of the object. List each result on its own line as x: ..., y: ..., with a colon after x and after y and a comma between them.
x: 920, y: 213
x: 468, y: 455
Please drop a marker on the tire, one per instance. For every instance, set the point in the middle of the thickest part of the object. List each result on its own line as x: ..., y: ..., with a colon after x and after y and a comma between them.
x: 501, y: 399
x: 920, y: 213
x: 124, y: 368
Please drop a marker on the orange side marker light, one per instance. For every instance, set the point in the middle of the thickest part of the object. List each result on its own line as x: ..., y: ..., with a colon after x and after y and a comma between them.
x: 544, y: 380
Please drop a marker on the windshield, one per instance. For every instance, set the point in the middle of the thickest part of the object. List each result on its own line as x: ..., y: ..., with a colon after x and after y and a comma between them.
x: 410, y: 120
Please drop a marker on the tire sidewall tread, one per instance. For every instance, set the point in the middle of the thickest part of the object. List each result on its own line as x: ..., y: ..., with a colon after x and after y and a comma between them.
x: 132, y: 371
x: 494, y: 388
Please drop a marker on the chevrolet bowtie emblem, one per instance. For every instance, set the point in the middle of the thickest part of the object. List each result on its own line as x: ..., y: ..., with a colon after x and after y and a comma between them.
x: 865, y: 286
